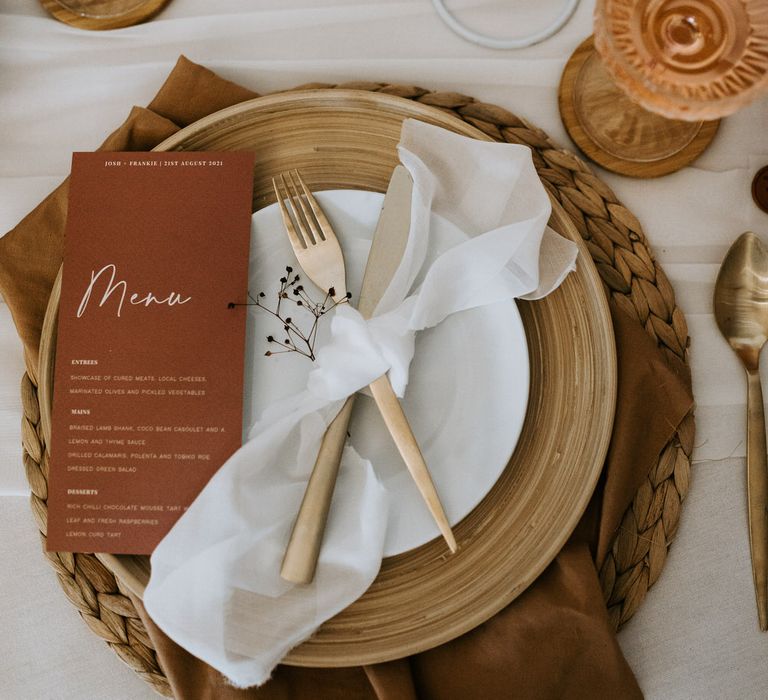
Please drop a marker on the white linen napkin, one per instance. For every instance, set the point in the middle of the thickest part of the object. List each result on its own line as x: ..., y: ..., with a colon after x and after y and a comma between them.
x: 215, y: 587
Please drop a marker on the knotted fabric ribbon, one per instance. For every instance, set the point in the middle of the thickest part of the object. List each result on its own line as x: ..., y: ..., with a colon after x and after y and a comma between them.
x: 215, y: 586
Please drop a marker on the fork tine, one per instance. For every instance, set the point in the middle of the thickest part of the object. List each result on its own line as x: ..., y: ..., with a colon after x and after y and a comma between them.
x: 302, y: 225
x: 317, y: 234
x: 325, y: 226
x: 297, y: 241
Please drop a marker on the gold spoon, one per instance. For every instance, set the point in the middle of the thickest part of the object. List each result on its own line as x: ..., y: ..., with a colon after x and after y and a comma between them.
x: 741, y: 312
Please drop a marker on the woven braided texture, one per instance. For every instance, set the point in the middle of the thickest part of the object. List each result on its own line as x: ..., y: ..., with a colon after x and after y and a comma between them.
x: 631, y: 277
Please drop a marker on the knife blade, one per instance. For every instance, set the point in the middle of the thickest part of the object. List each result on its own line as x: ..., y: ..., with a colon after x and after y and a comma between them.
x: 389, y: 241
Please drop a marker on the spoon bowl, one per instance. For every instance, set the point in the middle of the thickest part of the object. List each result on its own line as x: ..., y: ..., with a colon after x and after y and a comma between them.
x: 741, y: 298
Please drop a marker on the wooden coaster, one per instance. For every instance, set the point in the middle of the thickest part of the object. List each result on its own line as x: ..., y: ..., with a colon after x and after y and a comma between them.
x: 617, y: 133
x: 103, y: 14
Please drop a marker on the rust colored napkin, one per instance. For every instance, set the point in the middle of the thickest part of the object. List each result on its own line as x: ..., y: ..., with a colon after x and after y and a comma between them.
x: 553, y: 642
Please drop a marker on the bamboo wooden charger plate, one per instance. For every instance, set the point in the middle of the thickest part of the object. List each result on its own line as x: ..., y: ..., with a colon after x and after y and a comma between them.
x: 103, y: 14
x: 615, y: 132
x: 345, y: 139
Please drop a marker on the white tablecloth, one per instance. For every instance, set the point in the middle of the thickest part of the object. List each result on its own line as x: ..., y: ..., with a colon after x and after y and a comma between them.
x: 63, y: 89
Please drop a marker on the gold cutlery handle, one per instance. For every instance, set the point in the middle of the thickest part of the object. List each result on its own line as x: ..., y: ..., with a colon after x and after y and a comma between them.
x: 303, y: 550
x: 757, y: 493
x: 400, y: 430
x: 301, y: 554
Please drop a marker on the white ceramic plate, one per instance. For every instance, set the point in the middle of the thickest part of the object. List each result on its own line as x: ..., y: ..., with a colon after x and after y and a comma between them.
x: 468, y: 388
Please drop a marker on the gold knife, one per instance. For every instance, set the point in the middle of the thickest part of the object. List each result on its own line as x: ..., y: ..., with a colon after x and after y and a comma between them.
x: 387, y: 248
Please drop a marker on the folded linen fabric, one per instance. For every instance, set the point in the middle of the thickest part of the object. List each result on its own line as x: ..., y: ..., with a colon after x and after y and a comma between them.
x: 215, y: 587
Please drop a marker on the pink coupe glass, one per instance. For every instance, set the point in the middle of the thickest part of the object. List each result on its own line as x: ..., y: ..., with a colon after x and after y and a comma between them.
x: 685, y: 59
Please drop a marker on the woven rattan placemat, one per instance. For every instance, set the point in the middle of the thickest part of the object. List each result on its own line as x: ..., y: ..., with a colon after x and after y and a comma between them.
x: 631, y: 277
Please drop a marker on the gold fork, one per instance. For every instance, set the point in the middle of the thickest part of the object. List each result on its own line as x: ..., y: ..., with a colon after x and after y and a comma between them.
x: 319, y: 254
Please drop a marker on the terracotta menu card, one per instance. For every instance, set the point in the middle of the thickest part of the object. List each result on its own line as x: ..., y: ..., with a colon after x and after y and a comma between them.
x: 148, y: 383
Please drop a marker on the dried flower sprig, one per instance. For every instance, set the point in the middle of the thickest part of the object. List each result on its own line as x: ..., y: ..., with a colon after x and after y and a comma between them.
x: 291, y: 292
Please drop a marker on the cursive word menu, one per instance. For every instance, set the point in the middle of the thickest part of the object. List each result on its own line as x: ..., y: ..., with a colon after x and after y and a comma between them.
x: 148, y: 382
